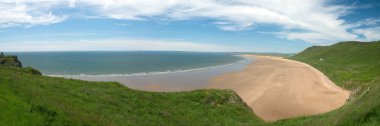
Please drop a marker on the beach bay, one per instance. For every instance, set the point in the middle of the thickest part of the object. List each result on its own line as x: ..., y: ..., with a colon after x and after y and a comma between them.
x: 277, y: 88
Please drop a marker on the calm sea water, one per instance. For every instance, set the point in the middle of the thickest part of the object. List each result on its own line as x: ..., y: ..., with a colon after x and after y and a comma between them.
x: 122, y: 63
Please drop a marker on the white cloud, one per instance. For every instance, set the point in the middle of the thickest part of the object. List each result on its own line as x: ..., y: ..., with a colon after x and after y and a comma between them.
x: 319, y: 21
x: 33, y: 12
x: 370, y: 34
x: 122, y: 24
x: 314, y: 21
x: 119, y: 45
x: 365, y: 22
x: 72, y: 3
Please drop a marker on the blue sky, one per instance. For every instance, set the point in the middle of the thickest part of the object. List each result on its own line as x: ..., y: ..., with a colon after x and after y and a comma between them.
x: 176, y: 25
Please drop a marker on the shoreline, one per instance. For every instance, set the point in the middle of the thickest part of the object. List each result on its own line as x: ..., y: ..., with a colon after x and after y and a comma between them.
x: 185, y: 80
x: 276, y: 88
x: 147, y: 73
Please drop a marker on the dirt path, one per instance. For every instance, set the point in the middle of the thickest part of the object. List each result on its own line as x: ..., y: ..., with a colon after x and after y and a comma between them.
x: 277, y: 88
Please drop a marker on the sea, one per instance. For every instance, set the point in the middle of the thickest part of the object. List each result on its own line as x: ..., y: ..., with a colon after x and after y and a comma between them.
x: 143, y: 70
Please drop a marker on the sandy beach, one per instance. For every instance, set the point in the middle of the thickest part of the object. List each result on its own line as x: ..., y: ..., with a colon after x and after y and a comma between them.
x: 277, y: 88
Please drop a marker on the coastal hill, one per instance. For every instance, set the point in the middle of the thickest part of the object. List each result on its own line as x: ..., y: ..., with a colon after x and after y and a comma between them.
x: 9, y: 60
x: 348, y: 64
x: 29, y: 99
x: 13, y: 61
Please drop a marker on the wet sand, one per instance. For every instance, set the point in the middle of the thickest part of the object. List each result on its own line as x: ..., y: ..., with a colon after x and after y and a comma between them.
x: 277, y: 88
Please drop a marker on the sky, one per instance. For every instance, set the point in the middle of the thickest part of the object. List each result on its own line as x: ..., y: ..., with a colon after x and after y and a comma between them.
x: 286, y: 26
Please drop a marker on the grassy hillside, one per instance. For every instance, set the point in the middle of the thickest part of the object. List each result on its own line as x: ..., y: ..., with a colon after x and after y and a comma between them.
x: 348, y: 64
x: 29, y: 99
x: 354, y: 66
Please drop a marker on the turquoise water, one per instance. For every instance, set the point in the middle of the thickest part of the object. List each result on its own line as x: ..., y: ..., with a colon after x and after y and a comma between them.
x: 122, y: 63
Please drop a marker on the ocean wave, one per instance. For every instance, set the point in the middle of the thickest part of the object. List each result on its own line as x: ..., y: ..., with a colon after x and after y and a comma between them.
x: 144, y: 73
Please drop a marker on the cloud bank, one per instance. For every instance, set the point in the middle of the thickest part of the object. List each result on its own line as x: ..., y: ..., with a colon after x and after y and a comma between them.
x: 120, y: 45
x: 313, y: 21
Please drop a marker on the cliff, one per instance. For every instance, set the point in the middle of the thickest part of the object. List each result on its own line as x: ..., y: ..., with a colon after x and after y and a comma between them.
x: 10, y: 61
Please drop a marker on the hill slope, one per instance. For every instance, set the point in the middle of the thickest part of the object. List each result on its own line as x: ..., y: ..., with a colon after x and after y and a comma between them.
x: 29, y: 99
x: 354, y: 66
x: 346, y: 63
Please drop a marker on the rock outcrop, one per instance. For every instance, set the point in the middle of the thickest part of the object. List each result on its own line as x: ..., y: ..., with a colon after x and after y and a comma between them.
x: 13, y: 61
x: 9, y: 60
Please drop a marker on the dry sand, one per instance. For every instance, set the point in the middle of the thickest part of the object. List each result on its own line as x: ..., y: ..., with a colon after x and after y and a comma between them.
x: 277, y: 88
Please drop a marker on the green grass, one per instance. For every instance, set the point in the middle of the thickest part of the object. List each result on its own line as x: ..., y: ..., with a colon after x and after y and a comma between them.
x: 348, y: 64
x: 29, y: 99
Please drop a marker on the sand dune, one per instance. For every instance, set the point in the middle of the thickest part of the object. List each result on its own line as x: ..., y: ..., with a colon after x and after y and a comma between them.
x: 277, y: 88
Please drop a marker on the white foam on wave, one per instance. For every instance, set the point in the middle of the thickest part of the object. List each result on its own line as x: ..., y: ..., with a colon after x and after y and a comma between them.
x: 144, y: 73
